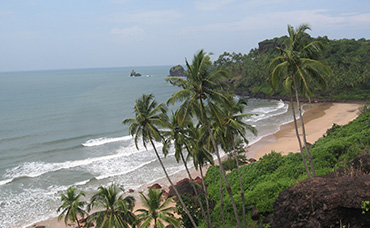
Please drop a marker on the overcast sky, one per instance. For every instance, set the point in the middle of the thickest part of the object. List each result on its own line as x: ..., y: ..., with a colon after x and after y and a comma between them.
x: 63, y: 34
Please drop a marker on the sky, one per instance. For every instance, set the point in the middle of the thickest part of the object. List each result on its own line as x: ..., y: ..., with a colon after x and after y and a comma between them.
x: 69, y: 34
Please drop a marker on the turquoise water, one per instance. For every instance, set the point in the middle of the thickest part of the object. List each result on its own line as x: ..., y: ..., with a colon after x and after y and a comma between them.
x: 63, y: 127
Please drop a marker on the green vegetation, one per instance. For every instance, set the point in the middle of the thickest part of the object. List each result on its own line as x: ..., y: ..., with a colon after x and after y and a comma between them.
x: 297, y: 70
x: 210, y: 118
x: 264, y: 179
x: 348, y: 58
x: 156, y: 211
x: 113, y: 210
x: 72, y: 206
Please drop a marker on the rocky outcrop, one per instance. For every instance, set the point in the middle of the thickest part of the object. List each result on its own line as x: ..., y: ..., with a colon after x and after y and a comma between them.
x: 184, y: 186
x: 134, y: 74
x: 333, y: 200
x: 266, y: 46
x: 178, y: 71
x: 155, y: 186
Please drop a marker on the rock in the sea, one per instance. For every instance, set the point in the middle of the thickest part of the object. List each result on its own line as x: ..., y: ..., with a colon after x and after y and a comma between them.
x: 134, y: 74
x: 328, y: 201
x: 178, y: 71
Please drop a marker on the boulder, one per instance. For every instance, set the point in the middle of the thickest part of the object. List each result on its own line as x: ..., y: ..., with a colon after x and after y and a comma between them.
x: 183, y: 187
x: 333, y: 200
x: 155, y: 186
x: 134, y: 74
x: 178, y: 71
x: 198, y: 180
x: 252, y: 160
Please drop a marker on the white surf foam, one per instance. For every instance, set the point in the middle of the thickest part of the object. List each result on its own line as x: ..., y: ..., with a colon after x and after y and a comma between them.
x: 104, y: 140
x: 3, y: 182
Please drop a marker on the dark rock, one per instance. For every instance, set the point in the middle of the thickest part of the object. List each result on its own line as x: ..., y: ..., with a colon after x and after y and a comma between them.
x: 131, y: 190
x: 183, y: 187
x: 134, y: 74
x: 155, y: 186
x: 266, y: 46
x: 198, y: 180
x: 359, y: 166
x: 321, y: 202
x: 178, y: 71
x: 361, y: 162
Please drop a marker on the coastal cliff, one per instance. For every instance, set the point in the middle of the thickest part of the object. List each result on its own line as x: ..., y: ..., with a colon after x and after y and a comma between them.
x: 178, y: 71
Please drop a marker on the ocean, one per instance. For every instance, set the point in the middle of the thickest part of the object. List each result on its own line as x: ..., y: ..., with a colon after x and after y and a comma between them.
x: 61, y: 128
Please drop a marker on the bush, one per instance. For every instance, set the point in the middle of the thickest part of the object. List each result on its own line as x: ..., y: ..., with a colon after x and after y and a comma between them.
x: 264, y: 179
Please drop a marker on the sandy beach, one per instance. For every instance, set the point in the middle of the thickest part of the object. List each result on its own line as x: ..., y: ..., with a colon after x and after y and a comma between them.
x: 318, y: 118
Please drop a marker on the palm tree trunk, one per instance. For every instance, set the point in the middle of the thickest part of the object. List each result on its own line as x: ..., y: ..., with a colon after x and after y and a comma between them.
x: 222, y: 170
x: 172, y: 185
x: 222, y: 202
x: 240, y: 183
x: 205, y: 193
x: 196, y: 191
x: 78, y: 223
x: 304, y: 135
x: 298, y: 137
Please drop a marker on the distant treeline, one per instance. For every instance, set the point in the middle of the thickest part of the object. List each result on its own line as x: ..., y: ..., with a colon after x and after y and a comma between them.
x: 348, y: 58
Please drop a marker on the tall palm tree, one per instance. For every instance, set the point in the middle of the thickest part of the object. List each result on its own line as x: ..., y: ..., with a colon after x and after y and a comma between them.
x: 148, y: 117
x: 200, y: 89
x: 296, y: 69
x: 196, y: 145
x: 232, y: 126
x: 117, y: 210
x: 155, y: 211
x: 72, y: 206
x: 177, y: 134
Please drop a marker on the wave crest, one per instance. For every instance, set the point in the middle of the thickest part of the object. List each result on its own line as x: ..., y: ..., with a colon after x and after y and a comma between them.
x: 104, y: 140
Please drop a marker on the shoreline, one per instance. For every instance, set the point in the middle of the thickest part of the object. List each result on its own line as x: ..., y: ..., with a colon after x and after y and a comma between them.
x: 318, y: 117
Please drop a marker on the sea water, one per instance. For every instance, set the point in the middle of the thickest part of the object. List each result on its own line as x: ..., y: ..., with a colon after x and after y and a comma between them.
x: 62, y: 128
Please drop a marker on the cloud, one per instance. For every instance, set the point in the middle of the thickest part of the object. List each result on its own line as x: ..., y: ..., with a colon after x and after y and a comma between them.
x: 319, y: 18
x: 129, y: 34
x: 211, y: 5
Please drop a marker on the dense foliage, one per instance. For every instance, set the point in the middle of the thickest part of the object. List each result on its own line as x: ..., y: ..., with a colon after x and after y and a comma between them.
x: 273, y: 173
x: 348, y: 58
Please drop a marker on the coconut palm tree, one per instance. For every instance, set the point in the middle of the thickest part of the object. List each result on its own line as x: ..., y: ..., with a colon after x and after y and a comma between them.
x: 297, y: 68
x: 117, y: 210
x: 148, y: 117
x: 156, y: 211
x: 196, y: 145
x: 72, y: 206
x: 177, y: 134
x: 231, y: 127
x: 201, y: 89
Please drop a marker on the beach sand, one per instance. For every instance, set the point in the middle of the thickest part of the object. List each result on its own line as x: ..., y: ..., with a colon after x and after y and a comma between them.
x: 318, y: 118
